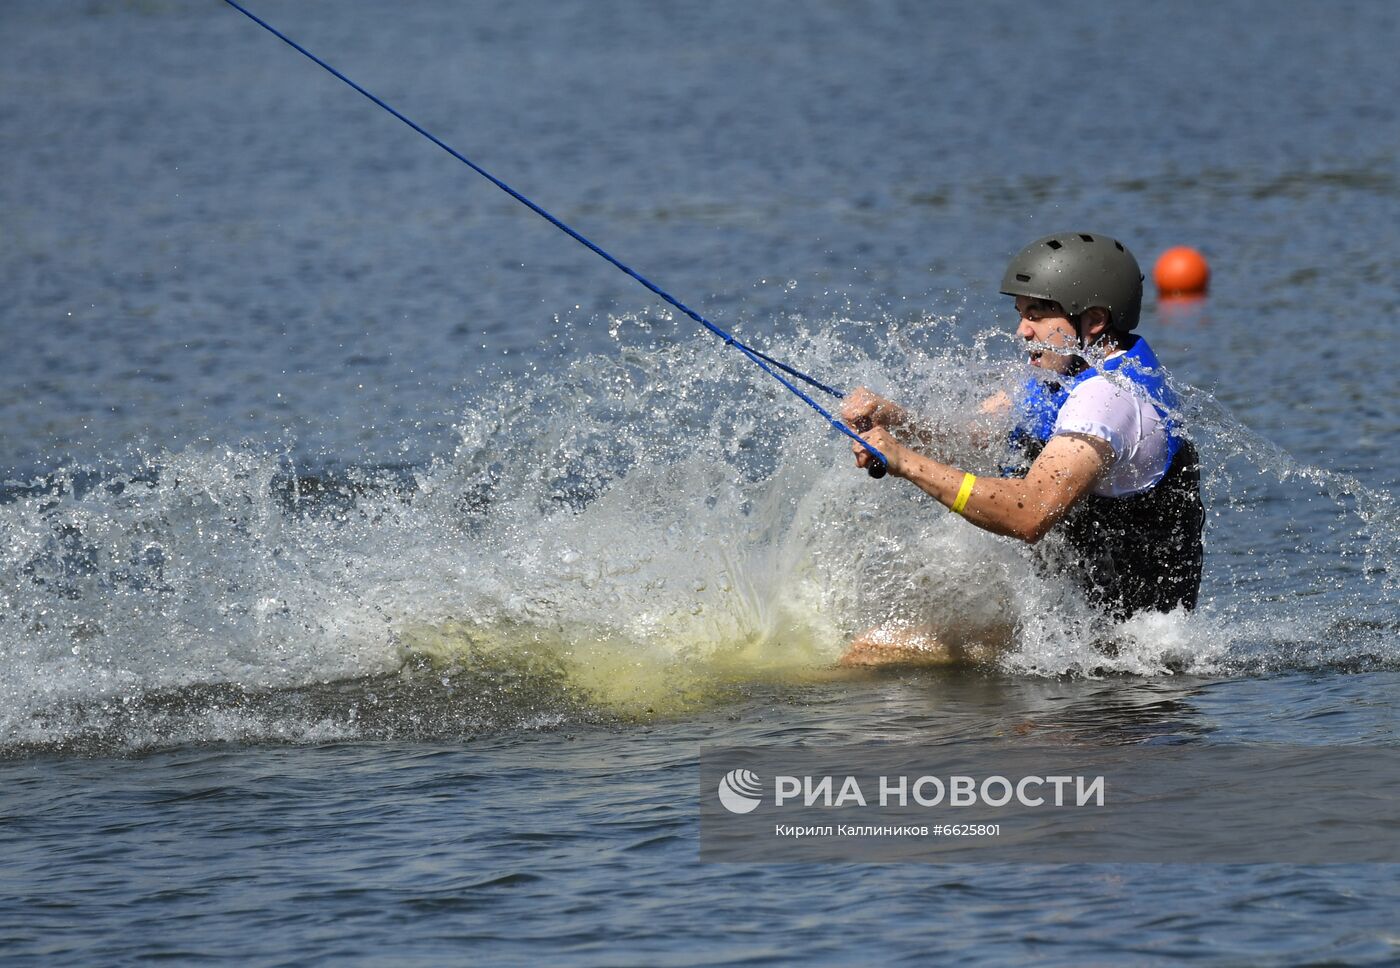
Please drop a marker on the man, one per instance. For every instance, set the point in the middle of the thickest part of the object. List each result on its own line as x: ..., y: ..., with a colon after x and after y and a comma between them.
x: 1101, y: 458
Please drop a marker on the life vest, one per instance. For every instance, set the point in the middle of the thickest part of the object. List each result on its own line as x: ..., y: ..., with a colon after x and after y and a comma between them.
x: 1138, y: 552
x: 1039, y: 403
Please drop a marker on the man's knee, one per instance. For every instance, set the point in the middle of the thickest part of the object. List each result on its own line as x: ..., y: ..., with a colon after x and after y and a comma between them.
x: 897, y: 645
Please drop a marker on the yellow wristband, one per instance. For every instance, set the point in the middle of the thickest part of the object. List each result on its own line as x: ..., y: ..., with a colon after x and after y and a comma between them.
x: 964, y: 493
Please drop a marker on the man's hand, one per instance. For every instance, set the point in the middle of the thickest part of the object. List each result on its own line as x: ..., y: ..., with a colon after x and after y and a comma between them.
x: 862, y: 409
x: 880, y: 439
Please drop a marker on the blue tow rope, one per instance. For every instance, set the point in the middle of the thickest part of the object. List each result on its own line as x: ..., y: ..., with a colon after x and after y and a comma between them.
x: 766, y: 363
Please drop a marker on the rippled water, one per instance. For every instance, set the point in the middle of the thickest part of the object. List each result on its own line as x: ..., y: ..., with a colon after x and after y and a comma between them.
x: 374, y: 560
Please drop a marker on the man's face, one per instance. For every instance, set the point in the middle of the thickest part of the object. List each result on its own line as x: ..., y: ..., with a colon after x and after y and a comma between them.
x: 1047, y: 330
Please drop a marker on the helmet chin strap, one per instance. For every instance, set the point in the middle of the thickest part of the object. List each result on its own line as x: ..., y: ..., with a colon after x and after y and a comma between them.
x: 1081, y: 364
x: 1078, y: 364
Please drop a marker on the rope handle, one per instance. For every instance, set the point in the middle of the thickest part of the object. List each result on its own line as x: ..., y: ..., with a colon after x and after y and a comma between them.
x: 877, y: 468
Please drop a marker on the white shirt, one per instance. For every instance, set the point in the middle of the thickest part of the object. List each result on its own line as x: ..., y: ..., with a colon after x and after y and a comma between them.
x: 1120, y: 412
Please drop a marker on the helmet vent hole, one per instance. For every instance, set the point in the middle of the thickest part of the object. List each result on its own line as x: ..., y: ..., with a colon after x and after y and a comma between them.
x: 1119, y: 246
x: 1087, y: 238
x: 1054, y: 244
x: 1022, y: 277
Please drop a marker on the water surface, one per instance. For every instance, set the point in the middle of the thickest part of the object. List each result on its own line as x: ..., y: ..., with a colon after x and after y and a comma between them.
x: 374, y: 560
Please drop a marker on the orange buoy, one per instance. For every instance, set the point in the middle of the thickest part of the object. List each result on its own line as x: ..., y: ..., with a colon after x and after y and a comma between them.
x: 1181, y: 271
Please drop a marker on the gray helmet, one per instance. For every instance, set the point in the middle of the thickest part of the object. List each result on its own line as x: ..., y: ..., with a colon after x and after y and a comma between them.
x: 1079, y: 270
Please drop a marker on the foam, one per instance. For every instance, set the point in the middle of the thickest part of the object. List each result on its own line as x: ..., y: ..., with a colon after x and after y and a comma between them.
x: 658, y: 525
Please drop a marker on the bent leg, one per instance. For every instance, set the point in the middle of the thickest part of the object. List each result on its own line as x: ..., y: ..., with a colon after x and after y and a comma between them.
x: 896, y: 645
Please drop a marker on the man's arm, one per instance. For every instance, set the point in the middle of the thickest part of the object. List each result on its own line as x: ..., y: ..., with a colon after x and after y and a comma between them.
x: 998, y: 402
x: 863, y: 408
x: 1023, y: 508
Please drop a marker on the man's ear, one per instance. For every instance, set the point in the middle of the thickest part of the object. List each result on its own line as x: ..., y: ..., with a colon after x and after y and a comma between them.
x: 1093, y: 323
